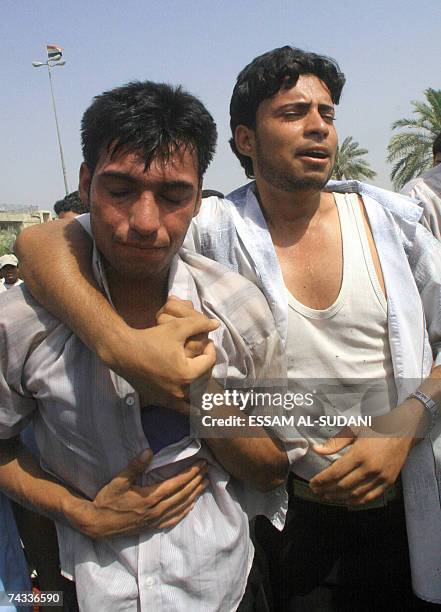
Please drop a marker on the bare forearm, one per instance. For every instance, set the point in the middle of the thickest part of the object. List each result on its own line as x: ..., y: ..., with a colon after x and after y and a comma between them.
x: 25, y: 482
x: 260, y: 461
x: 55, y: 260
x: 411, y: 419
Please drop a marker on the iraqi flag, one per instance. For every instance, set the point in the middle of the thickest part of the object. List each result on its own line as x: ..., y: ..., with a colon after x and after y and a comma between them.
x: 54, y: 53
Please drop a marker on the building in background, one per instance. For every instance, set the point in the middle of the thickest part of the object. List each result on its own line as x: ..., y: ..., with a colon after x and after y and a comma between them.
x: 20, y: 218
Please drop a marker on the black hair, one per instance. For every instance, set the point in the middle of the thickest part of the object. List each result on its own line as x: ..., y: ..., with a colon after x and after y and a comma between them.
x: 269, y: 73
x: 207, y: 193
x: 436, y: 147
x: 71, y: 202
x: 151, y: 119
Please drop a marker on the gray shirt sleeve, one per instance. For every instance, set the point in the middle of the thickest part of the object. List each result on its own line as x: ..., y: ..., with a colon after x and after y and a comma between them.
x: 425, y: 262
x: 23, y: 325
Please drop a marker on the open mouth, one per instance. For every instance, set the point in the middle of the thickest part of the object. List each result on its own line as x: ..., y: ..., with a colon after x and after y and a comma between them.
x: 314, y: 154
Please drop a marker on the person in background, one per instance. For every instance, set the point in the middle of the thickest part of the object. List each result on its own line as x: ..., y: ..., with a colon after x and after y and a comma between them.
x: 70, y: 206
x: 14, y: 571
x: 9, y: 272
x: 427, y: 190
x: 17, y: 523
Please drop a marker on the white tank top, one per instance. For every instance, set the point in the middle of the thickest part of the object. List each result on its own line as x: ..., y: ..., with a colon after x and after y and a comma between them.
x: 343, y: 348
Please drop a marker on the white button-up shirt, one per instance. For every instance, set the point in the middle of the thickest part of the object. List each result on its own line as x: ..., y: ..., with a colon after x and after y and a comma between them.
x: 88, y: 427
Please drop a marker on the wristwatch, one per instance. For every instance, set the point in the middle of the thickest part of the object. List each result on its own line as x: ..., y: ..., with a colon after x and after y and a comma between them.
x: 429, y: 404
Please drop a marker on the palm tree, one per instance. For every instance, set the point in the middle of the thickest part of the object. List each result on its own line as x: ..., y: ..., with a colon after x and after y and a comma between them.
x: 349, y: 163
x: 411, y: 150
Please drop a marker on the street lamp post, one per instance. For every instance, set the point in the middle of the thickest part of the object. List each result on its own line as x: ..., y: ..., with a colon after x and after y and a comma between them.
x: 51, y: 63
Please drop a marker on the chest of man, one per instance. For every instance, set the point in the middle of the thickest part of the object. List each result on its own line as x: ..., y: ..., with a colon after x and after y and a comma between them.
x: 312, y: 262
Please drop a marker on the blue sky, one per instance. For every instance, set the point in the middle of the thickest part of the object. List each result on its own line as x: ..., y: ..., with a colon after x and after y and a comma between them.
x: 390, y: 51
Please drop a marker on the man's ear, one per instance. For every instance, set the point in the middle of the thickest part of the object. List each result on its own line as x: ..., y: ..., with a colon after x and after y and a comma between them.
x: 84, y: 185
x: 198, y: 203
x: 245, y: 140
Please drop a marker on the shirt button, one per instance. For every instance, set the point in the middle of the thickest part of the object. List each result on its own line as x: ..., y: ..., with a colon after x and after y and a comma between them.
x: 150, y: 582
x: 130, y: 400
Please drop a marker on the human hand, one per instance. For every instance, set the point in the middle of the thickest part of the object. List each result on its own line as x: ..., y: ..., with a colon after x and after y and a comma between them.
x: 123, y: 508
x: 376, y: 457
x: 162, y: 358
x: 175, y: 308
x: 365, y: 471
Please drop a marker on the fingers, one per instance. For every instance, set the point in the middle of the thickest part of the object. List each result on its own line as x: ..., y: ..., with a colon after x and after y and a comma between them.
x: 135, y: 468
x: 196, y: 345
x: 175, y: 308
x: 359, y: 493
x: 207, y: 360
x: 190, y: 326
x: 176, y: 519
x: 333, y: 474
x: 170, y: 509
x: 181, y: 507
x: 351, y: 488
x: 371, y: 464
x: 344, y: 438
x: 372, y: 493
x: 166, y: 513
x: 168, y: 488
x: 163, y: 318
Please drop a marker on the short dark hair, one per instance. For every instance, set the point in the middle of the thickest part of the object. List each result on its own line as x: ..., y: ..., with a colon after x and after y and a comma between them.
x: 151, y: 119
x: 208, y: 193
x: 436, y: 147
x: 71, y: 202
x: 269, y: 73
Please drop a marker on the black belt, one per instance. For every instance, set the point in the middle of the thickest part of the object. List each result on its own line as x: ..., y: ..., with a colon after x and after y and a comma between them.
x: 300, y: 488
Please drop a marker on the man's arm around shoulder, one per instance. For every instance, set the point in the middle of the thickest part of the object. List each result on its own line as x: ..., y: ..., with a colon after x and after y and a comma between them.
x: 55, y: 260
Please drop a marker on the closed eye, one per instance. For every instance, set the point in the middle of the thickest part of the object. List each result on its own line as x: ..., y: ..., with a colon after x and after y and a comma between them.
x: 170, y: 200
x: 292, y: 114
x: 120, y: 193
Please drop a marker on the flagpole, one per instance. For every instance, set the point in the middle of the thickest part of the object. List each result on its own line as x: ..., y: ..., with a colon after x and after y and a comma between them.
x: 54, y: 54
x: 66, y: 188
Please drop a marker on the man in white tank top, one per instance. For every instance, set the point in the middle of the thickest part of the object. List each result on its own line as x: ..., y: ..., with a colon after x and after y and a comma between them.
x: 316, y: 255
x: 328, y: 557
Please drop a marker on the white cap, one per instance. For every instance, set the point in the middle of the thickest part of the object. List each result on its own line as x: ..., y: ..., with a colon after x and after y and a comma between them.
x: 8, y: 260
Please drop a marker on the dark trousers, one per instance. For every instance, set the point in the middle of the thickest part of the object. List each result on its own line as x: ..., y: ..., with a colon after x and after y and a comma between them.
x: 332, y: 559
x: 257, y: 594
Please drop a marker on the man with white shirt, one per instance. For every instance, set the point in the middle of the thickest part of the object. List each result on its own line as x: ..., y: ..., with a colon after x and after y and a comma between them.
x: 9, y: 272
x: 353, y: 282
x: 146, y: 147
x: 427, y: 189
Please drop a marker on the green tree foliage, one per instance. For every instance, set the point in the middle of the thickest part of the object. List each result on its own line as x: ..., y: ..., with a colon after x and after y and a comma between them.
x: 7, y: 239
x: 411, y: 150
x: 349, y: 162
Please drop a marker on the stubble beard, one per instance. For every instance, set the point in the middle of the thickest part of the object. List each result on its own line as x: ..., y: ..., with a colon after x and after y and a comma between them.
x: 285, y: 181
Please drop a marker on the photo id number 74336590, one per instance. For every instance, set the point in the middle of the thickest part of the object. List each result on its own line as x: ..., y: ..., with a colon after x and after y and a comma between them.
x: 20, y: 599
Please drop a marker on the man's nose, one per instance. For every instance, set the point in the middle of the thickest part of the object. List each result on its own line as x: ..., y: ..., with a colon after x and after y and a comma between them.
x: 144, y: 215
x: 316, y: 124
